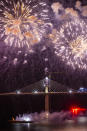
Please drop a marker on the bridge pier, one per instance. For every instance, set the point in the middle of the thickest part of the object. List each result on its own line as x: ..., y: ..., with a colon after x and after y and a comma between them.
x: 46, y: 100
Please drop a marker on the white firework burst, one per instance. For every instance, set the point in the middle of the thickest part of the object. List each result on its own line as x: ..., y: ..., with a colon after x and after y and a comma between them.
x: 70, y: 43
x: 23, y: 22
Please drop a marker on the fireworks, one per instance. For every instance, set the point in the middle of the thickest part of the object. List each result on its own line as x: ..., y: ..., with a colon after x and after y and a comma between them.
x: 79, y: 46
x: 70, y: 43
x: 70, y: 36
x: 23, y: 23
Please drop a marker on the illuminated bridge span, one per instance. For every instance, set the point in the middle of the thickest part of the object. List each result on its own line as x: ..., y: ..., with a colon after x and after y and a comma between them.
x: 42, y: 88
x: 43, y: 93
x: 46, y: 88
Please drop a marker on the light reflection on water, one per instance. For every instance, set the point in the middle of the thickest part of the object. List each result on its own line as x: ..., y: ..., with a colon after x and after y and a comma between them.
x: 36, y: 127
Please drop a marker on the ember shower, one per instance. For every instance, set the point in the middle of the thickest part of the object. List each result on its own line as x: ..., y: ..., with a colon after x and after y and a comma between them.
x: 39, y: 34
x: 23, y: 23
x: 70, y: 37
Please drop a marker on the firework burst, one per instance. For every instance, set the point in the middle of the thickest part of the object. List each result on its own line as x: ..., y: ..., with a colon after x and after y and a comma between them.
x: 70, y: 42
x: 23, y: 23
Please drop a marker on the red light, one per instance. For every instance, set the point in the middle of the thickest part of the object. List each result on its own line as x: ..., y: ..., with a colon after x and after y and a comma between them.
x: 76, y: 111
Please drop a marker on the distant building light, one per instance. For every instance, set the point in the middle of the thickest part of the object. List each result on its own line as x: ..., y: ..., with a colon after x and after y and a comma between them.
x: 35, y: 92
x: 18, y: 91
x: 70, y: 91
x: 82, y: 89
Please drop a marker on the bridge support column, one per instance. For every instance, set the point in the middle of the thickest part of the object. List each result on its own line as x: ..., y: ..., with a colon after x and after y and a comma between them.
x: 46, y: 100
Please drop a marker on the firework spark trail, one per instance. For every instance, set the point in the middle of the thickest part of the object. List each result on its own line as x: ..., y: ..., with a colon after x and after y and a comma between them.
x: 70, y: 39
x: 23, y: 23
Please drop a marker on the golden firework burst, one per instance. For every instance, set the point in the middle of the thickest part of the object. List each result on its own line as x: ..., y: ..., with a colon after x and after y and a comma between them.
x: 21, y: 25
x: 79, y: 46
